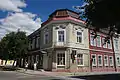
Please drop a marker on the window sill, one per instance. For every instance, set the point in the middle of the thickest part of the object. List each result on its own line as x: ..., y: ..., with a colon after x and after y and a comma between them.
x: 60, y: 65
x: 80, y: 65
x: 79, y: 43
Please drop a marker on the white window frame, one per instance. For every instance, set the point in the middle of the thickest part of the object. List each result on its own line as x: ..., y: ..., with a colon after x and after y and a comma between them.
x: 92, y: 42
x: 79, y: 36
x: 60, y: 52
x: 95, y: 60
x: 82, y: 60
x: 101, y: 60
x: 112, y: 61
x: 99, y: 40
x: 118, y: 64
x: 46, y: 33
x: 107, y: 60
x: 103, y: 41
x: 110, y: 45
x: 116, y: 48
x: 64, y: 35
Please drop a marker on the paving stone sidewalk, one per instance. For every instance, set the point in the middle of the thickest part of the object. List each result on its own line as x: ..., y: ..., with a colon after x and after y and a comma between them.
x: 48, y: 73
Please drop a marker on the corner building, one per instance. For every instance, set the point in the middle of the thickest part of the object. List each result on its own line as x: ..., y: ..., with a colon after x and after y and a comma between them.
x: 65, y: 40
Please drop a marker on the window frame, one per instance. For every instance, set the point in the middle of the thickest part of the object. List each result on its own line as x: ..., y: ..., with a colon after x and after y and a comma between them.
x: 118, y: 64
x: 82, y: 59
x: 112, y: 61
x: 92, y: 42
x: 103, y: 40
x: 107, y: 60
x: 116, y: 48
x: 64, y: 35
x: 77, y: 39
x: 46, y: 33
x: 95, y: 59
x: 97, y: 41
x: 60, y: 52
x: 101, y: 60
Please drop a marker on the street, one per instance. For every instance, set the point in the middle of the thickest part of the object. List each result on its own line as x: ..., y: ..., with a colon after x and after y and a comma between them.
x: 99, y: 77
x: 13, y: 75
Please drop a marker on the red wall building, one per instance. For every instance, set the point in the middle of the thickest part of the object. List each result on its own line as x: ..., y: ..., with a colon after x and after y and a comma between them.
x: 101, y: 53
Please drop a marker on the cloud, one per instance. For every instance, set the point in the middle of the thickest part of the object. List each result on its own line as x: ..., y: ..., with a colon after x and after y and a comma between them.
x: 24, y: 21
x: 12, y: 5
x: 17, y: 18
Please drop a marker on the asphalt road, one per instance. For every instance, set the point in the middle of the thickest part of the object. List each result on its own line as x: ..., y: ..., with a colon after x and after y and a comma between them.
x: 12, y: 75
x: 99, y: 77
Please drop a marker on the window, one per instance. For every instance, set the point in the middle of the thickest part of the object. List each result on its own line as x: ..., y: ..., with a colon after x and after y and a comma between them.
x: 37, y: 42
x: 98, y: 41
x: 106, y: 60
x: 73, y: 55
x: 46, y: 38
x: 79, y: 37
x: 111, y: 60
x: 29, y: 45
x: 33, y: 43
x: 93, y: 60
x: 61, y: 36
x: 118, y: 60
x: 104, y: 43
x: 92, y: 40
x: 80, y: 59
x: 116, y: 43
x: 60, y: 58
x: 99, y: 60
x: 110, y: 45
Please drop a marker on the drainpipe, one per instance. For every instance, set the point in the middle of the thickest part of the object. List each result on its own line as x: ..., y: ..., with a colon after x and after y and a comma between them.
x: 113, y: 54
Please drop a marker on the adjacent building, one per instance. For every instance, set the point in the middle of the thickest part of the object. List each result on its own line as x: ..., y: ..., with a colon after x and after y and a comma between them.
x: 116, y: 42
x: 101, y: 53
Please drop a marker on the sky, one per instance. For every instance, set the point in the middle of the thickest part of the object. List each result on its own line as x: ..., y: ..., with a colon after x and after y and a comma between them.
x: 27, y: 15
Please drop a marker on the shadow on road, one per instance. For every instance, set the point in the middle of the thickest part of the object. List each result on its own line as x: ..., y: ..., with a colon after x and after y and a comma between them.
x: 99, y: 77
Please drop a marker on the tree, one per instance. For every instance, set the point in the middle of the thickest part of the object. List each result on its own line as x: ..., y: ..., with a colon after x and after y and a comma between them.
x: 14, y: 45
x: 101, y: 14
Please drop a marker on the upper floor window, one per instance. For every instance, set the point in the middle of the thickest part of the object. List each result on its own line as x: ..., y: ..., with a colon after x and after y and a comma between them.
x: 98, y: 41
x: 33, y: 43
x: 92, y: 40
x: 116, y: 43
x: 79, y: 37
x: 61, y: 35
x: 46, y: 38
x: 110, y: 45
x: 104, y: 43
x: 80, y: 59
x: 37, y: 42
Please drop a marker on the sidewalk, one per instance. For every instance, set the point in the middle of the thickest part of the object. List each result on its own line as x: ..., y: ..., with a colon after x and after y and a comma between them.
x: 67, y: 74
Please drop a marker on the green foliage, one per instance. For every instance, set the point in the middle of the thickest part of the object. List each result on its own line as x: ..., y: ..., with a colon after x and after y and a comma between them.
x: 103, y: 14
x: 13, y: 45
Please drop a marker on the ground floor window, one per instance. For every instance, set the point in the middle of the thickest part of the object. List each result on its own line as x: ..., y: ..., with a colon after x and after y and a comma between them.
x: 99, y: 60
x: 118, y: 60
x: 80, y: 59
x: 93, y: 60
x: 111, y: 60
x: 61, y: 58
x: 106, y: 60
